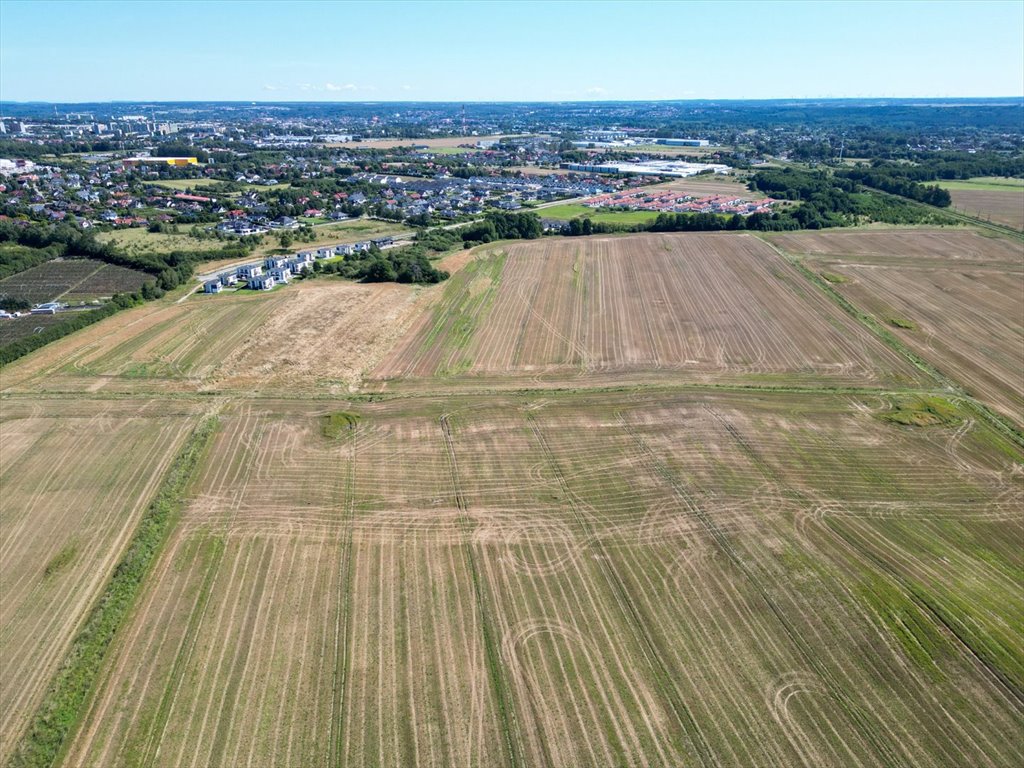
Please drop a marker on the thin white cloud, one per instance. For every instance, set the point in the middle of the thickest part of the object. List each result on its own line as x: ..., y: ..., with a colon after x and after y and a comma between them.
x: 270, y: 87
x: 336, y: 87
x: 596, y: 91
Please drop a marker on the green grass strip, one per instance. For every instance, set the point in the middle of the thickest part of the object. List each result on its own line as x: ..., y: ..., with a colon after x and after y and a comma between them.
x: 65, y: 701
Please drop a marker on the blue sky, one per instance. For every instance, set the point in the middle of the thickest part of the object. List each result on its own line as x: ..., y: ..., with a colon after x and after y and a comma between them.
x: 507, y: 51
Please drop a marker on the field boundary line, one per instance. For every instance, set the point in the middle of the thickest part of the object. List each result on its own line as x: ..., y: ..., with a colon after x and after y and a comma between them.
x: 59, y: 714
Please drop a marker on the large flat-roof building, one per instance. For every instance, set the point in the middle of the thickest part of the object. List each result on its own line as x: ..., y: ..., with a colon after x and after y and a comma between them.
x: 649, y: 168
x: 685, y: 142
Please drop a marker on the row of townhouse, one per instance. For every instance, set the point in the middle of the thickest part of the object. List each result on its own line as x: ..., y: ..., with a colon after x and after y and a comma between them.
x: 278, y: 270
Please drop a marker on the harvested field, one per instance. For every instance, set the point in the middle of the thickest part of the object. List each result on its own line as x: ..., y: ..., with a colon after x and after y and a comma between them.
x: 695, y: 306
x: 157, y: 346
x: 75, y: 478
x: 996, y: 205
x: 71, y: 280
x: 579, y: 580
x: 917, y: 247
x: 639, y: 501
x: 321, y: 335
x: 955, y: 298
x: 335, y: 332
x: 969, y: 323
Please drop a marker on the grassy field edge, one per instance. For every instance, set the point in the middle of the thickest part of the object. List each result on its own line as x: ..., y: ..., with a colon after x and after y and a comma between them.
x: 62, y: 707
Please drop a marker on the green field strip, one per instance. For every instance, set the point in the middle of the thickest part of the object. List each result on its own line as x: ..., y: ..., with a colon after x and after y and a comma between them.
x: 64, y: 703
x: 1002, y: 668
x: 343, y: 621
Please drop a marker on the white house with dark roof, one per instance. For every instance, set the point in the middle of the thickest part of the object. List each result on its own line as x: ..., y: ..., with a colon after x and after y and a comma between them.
x: 261, y: 282
x: 280, y: 274
x: 247, y: 271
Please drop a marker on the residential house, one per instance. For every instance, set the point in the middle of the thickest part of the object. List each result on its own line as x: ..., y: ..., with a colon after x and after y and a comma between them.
x: 261, y: 282
x: 249, y: 271
x: 280, y: 274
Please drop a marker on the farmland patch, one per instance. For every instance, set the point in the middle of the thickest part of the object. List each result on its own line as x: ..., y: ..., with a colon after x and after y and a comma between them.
x: 563, y: 580
x: 75, y: 480
x: 700, y: 307
x: 953, y: 297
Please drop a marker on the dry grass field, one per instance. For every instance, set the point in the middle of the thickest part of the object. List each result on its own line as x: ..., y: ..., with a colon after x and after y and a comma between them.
x: 655, y: 500
x: 563, y: 581
x: 75, y: 477
x: 999, y: 206
x: 314, y: 336
x: 695, y: 307
x: 957, y: 299
x: 141, y: 240
x: 923, y: 247
x: 705, y: 186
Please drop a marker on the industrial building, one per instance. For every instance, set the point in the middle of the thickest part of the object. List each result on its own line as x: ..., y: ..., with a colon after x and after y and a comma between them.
x: 685, y: 142
x: 649, y: 168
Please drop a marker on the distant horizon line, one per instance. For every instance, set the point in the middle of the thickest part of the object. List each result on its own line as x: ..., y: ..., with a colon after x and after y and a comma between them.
x: 520, y: 101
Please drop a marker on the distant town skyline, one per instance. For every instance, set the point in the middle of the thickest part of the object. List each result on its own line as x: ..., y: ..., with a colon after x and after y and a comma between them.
x: 507, y: 51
